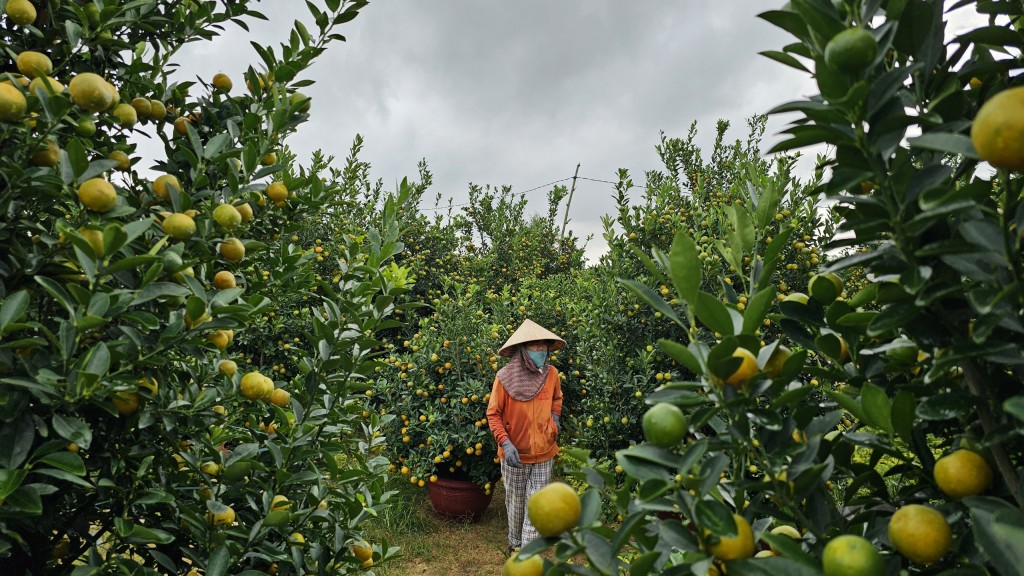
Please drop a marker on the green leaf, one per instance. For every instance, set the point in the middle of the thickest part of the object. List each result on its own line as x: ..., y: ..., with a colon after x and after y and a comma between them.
x: 848, y: 403
x: 787, y: 20
x: 58, y: 292
x: 25, y: 501
x: 590, y: 507
x: 681, y: 354
x: 685, y: 267
x: 77, y: 157
x: 904, y: 407
x: 999, y: 529
x: 743, y: 228
x: 66, y: 461
x: 1015, y: 407
x: 73, y: 430
x: 653, y: 299
x: 877, y: 407
x: 822, y: 18
x: 219, y: 562
x: 714, y: 516
x: 13, y: 308
x: 947, y: 142
x: 714, y: 314
x: 10, y: 480
x: 97, y: 360
x: 786, y: 59
x: 757, y: 309
x: 771, y: 258
x: 65, y: 476
x: 16, y: 442
x: 645, y: 462
x: 159, y: 289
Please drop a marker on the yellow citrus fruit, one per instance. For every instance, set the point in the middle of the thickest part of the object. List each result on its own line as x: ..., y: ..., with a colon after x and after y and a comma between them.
x: 46, y: 84
x: 664, y: 425
x: 362, y: 550
x: 222, y: 82
x: 280, y: 502
x: 220, y: 338
x: 224, y: 280
x: 554, y: 509
x: 798, y: 297
x: 91, y: 92
x: 784, y: 530
x: 97, y: 194
x: 227, y: 216
x: 998, y: 130
x: 86, y: 127
x: 301, y: 101
x: 115, y: 96
x: 747, y: 369
x: 269, y: 159
x: 95, y: 239
x: 123, y: 161
x: 245, y: 209
x: 143, y: 107
x: 850, y: 555
x: 852, y: 50
x: 277, y: 191
x: 919, y: 533
x: 280, y: 397
x: 210, y: 468
x: 227, y: 367
x: 157, y: 110
x: 181, y: 125
x: 48, y: 156
x: 126, y: 115
x: 844, y: 350
x: 13, y: 104
x: 225, y: 518
x: 962, y: 473
x: 150, y: 384
x: 532, y: 566
x: 825, y: 287
x: 296, y: 539
x: 179, y: 226
x: 21, y: 12
x: 232, y: 250
x: 773, y: 367
x: 163, y: 184
x: 735, y: 547
x: 32, y: 64
x: 256, y: 386
x: 125, y: 402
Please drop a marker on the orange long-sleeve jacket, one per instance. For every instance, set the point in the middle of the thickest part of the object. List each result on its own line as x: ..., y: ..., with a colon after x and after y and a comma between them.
x: 528, y: 424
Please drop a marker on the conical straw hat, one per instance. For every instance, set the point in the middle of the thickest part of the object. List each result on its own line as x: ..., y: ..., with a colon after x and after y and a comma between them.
x: 529, y: 331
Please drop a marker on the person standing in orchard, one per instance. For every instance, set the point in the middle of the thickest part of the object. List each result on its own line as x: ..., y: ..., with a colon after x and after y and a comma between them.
x: 524, y: 414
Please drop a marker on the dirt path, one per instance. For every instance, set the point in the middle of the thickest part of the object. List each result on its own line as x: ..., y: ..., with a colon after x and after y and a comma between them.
x: 433, y: 546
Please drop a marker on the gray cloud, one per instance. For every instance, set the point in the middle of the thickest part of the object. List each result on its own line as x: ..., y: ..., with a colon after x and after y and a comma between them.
x: 520, y: 92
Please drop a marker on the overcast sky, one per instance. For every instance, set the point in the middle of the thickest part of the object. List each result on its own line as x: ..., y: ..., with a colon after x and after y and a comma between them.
x: 518, y: 93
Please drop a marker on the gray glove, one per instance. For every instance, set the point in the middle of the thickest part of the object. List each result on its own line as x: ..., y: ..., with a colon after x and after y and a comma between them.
x: 558, y: 422
x: 511, y: 454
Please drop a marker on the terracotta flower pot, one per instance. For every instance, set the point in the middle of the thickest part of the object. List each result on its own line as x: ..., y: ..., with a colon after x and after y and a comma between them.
x: 458, y: 499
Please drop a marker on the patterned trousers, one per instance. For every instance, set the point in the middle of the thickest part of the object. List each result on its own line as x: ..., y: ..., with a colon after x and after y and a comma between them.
x: 520, y: 484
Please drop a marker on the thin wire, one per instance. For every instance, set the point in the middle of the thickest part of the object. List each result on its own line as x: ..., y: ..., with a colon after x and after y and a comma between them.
x: 524, y: 192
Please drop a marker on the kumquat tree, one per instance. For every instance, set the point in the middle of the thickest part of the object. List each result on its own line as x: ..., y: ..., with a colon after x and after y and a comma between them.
x: 879, y: 432
x: 143, y: 426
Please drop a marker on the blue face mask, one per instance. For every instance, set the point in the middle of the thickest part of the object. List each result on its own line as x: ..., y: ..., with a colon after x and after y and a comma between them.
x: 538, y: 356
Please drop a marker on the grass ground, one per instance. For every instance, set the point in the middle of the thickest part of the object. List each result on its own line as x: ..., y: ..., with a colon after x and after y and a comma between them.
x: 432, y: 545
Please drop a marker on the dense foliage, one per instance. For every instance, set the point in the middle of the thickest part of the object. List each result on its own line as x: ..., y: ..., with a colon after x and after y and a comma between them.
x: 146, y: 424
